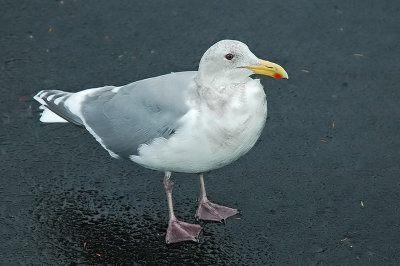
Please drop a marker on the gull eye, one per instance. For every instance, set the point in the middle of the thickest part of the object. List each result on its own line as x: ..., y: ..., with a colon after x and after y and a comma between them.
x: 229, y: 56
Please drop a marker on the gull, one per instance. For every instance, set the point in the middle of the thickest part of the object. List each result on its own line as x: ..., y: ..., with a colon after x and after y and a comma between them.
x: 188, y: 122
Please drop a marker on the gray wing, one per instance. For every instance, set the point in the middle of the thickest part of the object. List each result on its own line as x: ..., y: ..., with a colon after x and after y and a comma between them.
x: 138, y: 112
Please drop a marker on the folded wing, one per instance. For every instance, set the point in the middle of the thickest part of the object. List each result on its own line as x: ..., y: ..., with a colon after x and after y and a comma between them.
x: 123, y: 118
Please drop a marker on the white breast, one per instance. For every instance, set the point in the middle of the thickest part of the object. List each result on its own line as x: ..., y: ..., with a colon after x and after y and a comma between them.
x: 210, y: 138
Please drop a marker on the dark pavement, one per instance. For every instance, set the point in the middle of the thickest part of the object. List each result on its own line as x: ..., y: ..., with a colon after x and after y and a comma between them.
x: 321, y: 187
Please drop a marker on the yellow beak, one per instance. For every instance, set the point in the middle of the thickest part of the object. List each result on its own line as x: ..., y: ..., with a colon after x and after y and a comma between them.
x: 269, y: 69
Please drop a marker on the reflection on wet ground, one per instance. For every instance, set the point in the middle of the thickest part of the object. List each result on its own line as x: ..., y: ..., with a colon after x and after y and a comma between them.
x: 82, y: 226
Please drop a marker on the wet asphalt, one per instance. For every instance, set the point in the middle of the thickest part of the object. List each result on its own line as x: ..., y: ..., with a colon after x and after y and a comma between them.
x: 321, y: 186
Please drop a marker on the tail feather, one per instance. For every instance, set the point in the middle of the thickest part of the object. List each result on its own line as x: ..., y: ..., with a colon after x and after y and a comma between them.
x: 55, y: 110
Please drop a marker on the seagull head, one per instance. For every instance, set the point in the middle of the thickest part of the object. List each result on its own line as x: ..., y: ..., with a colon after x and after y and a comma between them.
x: 230, y: 61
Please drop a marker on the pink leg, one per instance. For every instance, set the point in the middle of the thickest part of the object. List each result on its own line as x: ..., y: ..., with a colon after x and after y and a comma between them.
x: 211, y: 211
x: 177, y: 230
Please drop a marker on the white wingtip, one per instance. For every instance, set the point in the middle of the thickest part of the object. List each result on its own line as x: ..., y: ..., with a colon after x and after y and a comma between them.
x: 38, y: 98
x: 49, y: 117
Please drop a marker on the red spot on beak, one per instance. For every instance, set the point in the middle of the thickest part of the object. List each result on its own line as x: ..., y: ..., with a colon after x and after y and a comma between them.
x: 277, y: 76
